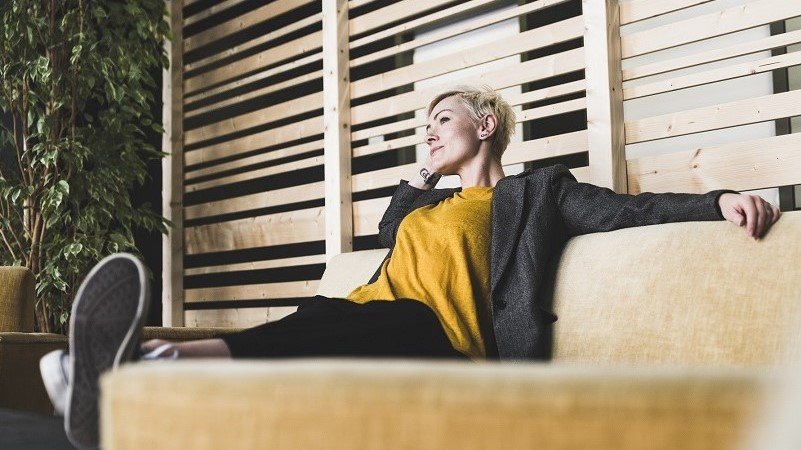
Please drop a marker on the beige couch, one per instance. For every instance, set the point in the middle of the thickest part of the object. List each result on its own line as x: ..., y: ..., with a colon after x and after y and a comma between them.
x: 667, y: 338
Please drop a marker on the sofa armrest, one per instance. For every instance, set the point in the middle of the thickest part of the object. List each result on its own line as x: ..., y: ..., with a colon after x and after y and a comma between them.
x: 20, y: 382
x: 16, y: 299
x: 345, y: 404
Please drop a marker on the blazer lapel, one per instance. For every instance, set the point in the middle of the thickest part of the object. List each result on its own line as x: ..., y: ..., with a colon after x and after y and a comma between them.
x: 508, y: 202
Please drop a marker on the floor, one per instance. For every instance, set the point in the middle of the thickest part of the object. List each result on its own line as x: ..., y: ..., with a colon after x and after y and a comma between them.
x: 21, y: 430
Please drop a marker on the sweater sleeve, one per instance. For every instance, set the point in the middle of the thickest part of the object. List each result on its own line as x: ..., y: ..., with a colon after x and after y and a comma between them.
x: 586, y: 208
x: 399, y: 206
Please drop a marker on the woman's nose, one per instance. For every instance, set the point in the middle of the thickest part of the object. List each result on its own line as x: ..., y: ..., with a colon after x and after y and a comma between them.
x: 430, y: 139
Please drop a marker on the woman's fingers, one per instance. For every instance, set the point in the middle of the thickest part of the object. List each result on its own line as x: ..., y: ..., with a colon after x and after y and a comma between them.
x: 749, y: 208
x: 762, y: 215
x: 776, y: 213
x: 749, y: 211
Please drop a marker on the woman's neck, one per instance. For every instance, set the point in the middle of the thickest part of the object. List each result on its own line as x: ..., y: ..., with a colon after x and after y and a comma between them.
x: 483, y: 172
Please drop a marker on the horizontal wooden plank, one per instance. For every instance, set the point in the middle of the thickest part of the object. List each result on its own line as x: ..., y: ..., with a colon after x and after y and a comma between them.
x: 741, y: 112
x: 257, y: 265
x: 429, y: 19
x: 264, y: 38
x: 637, y: 10
x: 357, y: 3
x: 233, y: 100
x: 547, y: 147
x: 524, y: 116
x: 533, y: 70
x: 281, y: 168
x: 513, y: 100
x: 210, y: 11
x: 286, y: 51
x: 381, y: 178
x: 712, y: 76
x: 425, y: 21
x: 267, y: 199
x: 290, y: 289
x: 507, y: 46
x: 747, y: 48
x: 197, y: 96
x: 730, y: 20
x: 236, y: 318
x: 239, y: 23
x: 755, y: 164
x: 256, y: 159
x: 582, y: 174
x: 391, y: 13
x: 293, y: 131
x: 367, y: 214
x: 255, y: 118
x: 275, y: 229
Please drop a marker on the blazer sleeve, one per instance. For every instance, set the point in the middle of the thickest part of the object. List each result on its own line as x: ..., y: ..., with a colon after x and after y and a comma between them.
x: 401, y: 204
x: 586, y: 208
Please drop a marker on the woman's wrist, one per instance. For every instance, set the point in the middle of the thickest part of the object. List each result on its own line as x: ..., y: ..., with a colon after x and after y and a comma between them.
x: 424, y: 179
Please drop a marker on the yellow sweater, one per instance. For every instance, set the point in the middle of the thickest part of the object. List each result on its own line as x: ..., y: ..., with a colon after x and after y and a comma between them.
x: 441, y: 258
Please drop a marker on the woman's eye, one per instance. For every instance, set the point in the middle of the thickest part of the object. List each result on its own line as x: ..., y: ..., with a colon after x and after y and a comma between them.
x: 443, y: 119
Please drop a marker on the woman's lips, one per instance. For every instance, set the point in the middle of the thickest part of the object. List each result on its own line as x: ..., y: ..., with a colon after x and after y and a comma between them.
x: 434, y: 150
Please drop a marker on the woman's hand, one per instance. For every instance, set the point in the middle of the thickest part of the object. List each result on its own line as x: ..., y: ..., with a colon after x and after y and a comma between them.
x: 416, y: 180
x: 750, y: 211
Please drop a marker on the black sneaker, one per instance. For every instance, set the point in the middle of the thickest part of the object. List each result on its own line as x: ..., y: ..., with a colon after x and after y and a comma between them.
x: 105, y: 326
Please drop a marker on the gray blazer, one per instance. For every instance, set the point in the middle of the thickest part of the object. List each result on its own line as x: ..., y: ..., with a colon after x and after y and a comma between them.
x: 534, y: 213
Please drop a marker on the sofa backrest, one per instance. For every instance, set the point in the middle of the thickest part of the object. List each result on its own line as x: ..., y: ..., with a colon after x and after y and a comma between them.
x: 16, y: 299
x: 347, y: 271
x: 695, y: 293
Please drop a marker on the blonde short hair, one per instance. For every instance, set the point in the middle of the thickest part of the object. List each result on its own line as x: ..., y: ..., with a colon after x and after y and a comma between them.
x: 481, y: 101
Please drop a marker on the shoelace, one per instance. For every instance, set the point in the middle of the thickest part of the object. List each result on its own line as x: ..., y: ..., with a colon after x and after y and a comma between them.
x: 158, y: 353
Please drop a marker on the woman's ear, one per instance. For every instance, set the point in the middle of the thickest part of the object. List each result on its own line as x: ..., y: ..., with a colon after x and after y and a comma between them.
x: 488, y: 126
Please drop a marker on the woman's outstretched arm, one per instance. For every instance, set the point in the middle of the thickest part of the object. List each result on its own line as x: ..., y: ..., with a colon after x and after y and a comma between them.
x: 586, y: 208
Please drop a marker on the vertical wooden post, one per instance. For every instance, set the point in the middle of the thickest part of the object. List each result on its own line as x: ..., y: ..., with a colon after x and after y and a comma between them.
x: 336, y: 93
x: 605, y: 125
x: 172, y: 298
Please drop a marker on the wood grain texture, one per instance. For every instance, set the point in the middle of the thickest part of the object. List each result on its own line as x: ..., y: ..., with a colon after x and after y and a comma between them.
x: 605, y: 123
x: 336, y: 113
x: 275, y: 229
x: 741, y: 112
x: 729, y: 20
x: 754, y: 164
x: 172, y: 166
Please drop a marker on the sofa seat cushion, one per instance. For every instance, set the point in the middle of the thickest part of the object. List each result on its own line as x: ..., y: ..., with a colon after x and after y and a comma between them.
x: 347, y: 404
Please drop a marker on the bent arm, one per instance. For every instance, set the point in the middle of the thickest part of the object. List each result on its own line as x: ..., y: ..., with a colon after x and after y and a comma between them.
x: 586, y: 208
x: 401, y: 204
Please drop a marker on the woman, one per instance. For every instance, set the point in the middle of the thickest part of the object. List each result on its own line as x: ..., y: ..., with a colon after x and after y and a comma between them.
x: 453, y: 250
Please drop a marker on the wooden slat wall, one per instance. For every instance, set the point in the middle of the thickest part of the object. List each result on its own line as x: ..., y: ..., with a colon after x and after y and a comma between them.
x: 758, y: 163
x: 252, y: 173
x: 262, y: 204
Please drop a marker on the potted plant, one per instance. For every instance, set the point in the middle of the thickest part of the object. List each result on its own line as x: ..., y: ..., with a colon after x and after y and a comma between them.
x: 77, y: 91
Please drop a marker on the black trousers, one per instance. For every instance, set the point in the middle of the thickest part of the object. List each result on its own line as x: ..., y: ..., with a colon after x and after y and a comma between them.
x: 338, y: 327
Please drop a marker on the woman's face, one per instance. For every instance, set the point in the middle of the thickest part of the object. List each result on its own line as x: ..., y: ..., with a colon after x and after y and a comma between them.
x: 452, y: 136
